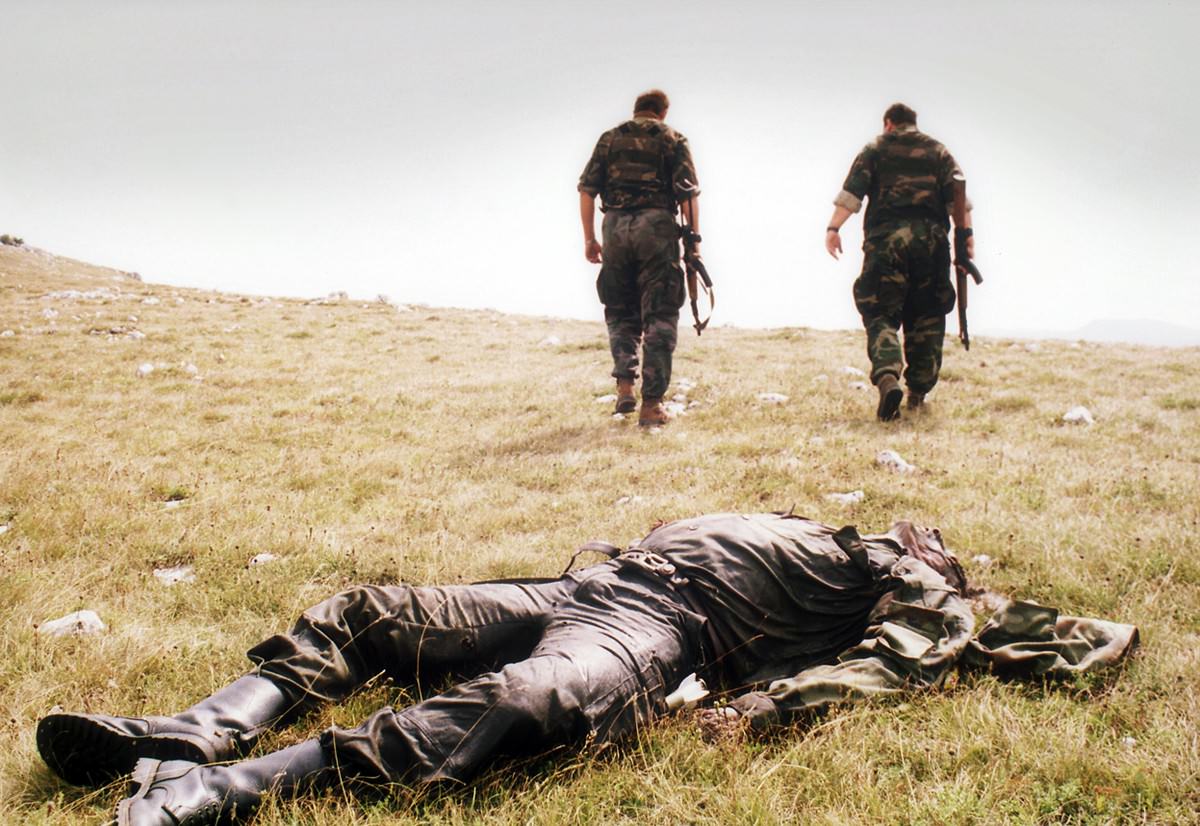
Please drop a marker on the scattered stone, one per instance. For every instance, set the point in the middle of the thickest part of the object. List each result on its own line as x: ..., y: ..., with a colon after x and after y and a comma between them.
x: 630, y: 500
x: 145, y: 369
x: 1032, y: 347
x: 179, y: 299
x: 3, y: 529
x: 772, y: 398
x: 859, y: 385
x: 172, y: 504
x: 7, y: 334
x: 610, y: 398
x: 136, y: 335
x: 620, y: 417
x: 150, y: 299
x: 675, y: 408
x: 851, y: 498
x: 192, y: 370
x: 685, y: 385
x: 339, y: 295
x: 816, y: 441
x: 550, y: 341
x: 1128, y: 742
x: 982, y: 559
x: 232, y: 329
x: 49, y: 313
x: 102, y: 294
x: 852, y: 371
x: 133, y: 319
x: 893, y: 461
x: 265, y: 558
x: 76, y: 624
x: 820, y: 377
x: 1079, y: 415
x: 175, y: 574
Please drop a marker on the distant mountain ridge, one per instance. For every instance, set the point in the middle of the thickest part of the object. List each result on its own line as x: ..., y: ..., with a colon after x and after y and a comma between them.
x: 1118, y: 330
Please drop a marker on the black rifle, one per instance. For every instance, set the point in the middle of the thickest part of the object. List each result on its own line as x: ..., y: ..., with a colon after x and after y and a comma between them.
x: 695, y: 266
x: 963, y: 265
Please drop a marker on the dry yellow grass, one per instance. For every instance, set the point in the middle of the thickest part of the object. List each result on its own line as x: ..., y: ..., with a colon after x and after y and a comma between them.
x: 359, y: 442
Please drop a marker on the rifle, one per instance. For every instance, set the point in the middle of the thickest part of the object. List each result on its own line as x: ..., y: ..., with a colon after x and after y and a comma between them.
x: 963, y: 265
x: 695, y: 266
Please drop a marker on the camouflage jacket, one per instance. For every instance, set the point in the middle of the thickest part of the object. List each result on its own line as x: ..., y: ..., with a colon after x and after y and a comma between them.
x: 813, y: 615
x: 641, y: 163
x: 905, y: 175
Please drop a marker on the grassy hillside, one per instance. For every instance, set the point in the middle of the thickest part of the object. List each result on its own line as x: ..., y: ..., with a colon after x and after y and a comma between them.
x: 366, y: 442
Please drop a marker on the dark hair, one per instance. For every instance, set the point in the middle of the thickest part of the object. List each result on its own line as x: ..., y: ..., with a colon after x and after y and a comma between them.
x: 899, y: 114
x: 655, y: 101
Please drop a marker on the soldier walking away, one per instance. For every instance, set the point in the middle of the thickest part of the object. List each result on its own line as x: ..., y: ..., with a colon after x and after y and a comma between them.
x: 643, y: 172
x: 909, y: 181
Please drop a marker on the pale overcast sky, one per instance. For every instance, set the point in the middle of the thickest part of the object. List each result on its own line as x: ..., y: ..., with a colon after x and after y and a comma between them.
x: 431, y: 151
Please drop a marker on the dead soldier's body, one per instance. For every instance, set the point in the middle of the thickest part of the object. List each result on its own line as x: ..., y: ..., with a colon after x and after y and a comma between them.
x: 791, y: 613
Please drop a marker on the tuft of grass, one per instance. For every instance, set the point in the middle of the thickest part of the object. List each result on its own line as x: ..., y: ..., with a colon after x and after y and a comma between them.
x: 355, y: 461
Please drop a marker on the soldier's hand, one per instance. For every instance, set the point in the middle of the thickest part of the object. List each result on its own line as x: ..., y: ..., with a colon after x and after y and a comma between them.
x: 591, y: 250
x: 720, y: 723
x: 833, y: 243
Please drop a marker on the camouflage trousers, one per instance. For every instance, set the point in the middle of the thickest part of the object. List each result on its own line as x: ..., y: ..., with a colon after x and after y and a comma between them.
x: 905, y: 285
x: 641, y: 287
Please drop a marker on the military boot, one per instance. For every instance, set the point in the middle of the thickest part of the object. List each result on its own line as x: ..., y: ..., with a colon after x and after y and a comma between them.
x: 626, y: 401
x: 915, y: 400
x: 890, y: 396
x: 179, y: 793
x: 652, y: 413
x: 94, y: 749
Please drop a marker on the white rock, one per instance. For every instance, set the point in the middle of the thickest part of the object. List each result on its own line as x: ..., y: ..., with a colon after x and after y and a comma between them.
x: 550, y: 341
x: 816, y: 441
x: 685, y: 385
x: 264, y: 558
x: 674, y: 408
x: 859, y: 385
x: 1079, y: 415
x: 982, y: 559
x: 820, y: 377
x: 630, y: 500
x: 49, y: 313
x: 619, y: 417
x: 892, y: 460
x: 133, y: 318
x: 1032, y: 346
x: 1128, y: 742
x: 175, y: 574
x: 3, y: 529
x: 851, y: 498
x: 136, y: 335
x: 79, y: 623
x: 680, y: 398
x: 145, y: 369
x: 7, y: 334
x: 179, y: 299
x: 150, y: 300
x: 772, y: 398
x: 172, y: 504
x: 232, y: 329
x: 608, y: 399
x: 852, y: 371
x: 191, y: 369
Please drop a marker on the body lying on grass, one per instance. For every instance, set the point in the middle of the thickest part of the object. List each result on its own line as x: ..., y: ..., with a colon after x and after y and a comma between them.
x: 795, y: 614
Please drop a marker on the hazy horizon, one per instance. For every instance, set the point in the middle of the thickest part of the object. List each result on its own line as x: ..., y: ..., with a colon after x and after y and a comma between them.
x: 431, y: 154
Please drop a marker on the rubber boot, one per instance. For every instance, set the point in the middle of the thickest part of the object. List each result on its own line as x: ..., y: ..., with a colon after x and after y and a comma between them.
x: 94, y: 749
x: 652, y: 413
x: 626, y: 401
x: 890, y: 396
x: 178, y: 793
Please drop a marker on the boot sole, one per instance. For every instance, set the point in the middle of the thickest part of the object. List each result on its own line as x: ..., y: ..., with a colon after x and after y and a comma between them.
x: 627, y: 405
x: 889, y: 405
x: 87, y: 752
